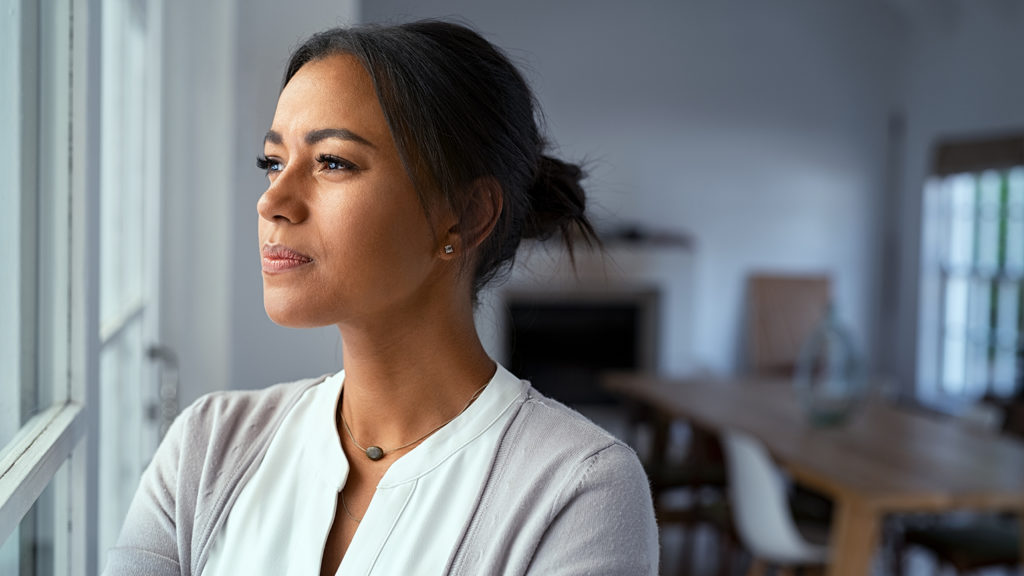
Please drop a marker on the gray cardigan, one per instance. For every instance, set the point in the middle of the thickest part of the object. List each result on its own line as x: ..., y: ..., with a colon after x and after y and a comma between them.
x: 562, y: 496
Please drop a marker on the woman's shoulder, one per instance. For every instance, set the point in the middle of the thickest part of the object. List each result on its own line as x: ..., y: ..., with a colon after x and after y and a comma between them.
x: 217, y: 424
x: 224, y: 406
x: 549, y: 423
x: 568, y: 492
x: 563, y: 446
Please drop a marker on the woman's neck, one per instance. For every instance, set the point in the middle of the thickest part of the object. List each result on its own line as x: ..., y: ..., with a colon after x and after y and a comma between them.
x: 402, y: 381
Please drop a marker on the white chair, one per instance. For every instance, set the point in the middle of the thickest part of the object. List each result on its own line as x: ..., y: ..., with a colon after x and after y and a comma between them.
x: 760, y: 508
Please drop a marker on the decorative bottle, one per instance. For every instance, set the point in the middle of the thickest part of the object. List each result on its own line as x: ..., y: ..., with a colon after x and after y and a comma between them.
x: 828, y: 378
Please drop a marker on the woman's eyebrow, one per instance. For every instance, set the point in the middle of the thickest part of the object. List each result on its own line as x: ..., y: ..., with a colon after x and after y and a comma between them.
x: 320, y: 135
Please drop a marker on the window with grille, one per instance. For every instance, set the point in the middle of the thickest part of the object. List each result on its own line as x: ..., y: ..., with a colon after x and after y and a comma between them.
x: 80, y: 117
x: 973, y: 288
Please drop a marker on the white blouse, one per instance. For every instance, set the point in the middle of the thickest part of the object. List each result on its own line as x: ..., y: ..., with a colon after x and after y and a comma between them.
x: 280, y: 522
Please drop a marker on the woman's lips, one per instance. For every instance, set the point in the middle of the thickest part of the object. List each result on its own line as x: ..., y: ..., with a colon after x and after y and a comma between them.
x: 278, y: 258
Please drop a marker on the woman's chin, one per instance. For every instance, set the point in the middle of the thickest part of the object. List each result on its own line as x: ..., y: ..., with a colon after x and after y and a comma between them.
x: 292, y: 316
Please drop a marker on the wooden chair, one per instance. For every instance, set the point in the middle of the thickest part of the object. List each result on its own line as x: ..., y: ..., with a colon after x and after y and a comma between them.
x: 783, y: 311
x: 701, y: 475
x: 987, y: 542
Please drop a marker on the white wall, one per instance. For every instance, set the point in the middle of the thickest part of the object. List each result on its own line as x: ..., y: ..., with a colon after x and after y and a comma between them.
x: 760, y: 128
x: 963, y: 79
x: 199, y: 94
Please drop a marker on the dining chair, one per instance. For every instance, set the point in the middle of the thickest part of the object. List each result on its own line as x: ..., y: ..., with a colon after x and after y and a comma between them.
x: 690, y: 492
x: 968, y: 546
x: 783, y: 311
x: 761, y: 512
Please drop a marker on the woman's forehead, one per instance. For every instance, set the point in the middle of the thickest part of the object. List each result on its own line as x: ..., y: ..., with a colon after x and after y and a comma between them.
x: 334, y: 92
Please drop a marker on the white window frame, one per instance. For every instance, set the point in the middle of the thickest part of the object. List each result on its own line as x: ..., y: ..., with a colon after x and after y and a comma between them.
x: 30, y: 462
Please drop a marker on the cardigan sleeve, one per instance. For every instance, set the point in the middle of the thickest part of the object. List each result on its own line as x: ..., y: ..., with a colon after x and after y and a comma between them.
x: 604, y: 522
x: 189, y: 486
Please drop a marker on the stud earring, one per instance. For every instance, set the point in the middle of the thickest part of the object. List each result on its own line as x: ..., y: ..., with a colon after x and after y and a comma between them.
x: 448, y: 249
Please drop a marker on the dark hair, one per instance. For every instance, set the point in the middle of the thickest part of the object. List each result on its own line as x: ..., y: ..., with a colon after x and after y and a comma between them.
x: 459, y: 111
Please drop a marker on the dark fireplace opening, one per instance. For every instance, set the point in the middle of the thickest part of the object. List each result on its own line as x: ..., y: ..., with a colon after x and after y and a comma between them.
x: 562, y: 344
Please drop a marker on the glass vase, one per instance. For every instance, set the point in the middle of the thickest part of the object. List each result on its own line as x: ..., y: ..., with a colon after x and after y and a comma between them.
x: 828, y: 378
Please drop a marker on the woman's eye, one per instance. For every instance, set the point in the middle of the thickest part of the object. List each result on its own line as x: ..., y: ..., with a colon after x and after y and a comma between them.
x: 335, y: 163
x: 269, y: 165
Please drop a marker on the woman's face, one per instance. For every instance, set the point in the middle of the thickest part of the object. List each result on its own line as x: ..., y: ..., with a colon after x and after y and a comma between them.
x: 343, y: 235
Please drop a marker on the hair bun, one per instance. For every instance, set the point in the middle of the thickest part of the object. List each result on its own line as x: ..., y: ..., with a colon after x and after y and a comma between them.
x: 557, y: 202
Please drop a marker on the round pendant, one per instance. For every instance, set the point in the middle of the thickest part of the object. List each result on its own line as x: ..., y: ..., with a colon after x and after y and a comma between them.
x: 374, y: 453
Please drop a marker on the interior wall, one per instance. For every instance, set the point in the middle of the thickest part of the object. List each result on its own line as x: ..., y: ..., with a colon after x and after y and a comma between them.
x: 198, y: 85
x: 759, y: 128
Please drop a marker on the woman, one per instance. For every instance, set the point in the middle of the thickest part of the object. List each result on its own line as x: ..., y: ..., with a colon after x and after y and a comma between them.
x: 404, y: 167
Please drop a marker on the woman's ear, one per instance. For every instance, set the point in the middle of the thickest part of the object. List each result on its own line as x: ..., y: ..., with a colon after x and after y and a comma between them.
x: 477, y: 218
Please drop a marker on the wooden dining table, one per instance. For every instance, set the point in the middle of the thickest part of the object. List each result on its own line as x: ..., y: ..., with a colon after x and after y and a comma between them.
x: 883, y: 460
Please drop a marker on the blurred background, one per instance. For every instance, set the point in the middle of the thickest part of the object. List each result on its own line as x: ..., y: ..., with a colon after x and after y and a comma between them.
x: 878, y: 144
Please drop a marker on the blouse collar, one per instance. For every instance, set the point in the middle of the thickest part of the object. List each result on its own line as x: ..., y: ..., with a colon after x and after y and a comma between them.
x: 499, y: 396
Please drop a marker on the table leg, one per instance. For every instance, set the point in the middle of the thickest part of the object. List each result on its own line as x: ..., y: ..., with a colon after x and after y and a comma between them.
x: 855, y: 532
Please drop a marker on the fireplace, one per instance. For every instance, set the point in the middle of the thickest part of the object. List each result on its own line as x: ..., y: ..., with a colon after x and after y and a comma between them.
x: 562, y: 341
x: 559, y: 324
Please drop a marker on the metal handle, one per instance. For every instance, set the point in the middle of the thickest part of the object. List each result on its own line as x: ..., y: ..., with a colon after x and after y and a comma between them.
x: 167, y: 392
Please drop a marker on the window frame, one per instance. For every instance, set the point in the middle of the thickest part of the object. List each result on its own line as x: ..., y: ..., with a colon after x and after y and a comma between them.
x: 60, y: 433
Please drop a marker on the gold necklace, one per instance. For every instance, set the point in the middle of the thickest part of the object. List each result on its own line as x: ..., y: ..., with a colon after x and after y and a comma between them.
x: 345, y: 507
x: 376, y: 452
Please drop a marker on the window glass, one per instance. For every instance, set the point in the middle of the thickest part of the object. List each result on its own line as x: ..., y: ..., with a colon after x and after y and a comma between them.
x: 18, y: 119
x: 35, y: 72
x: 34, y: 549
x: 128, y: 255
x: 34, y: 61
x: 980, y: 231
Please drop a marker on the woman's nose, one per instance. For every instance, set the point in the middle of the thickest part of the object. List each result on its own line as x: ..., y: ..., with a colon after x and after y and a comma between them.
x: 284, y: 200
